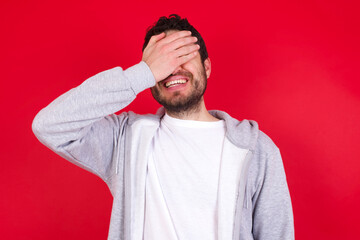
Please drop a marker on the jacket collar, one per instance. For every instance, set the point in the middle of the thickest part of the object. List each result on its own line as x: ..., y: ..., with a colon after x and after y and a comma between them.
x: 243, y: 134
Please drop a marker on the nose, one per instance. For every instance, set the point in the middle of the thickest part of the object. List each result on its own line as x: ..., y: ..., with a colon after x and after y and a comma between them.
x: 178, y: 69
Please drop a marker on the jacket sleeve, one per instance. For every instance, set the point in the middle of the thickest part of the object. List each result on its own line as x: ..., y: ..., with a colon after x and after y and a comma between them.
x: 81, y: 126
x: 272, y: 210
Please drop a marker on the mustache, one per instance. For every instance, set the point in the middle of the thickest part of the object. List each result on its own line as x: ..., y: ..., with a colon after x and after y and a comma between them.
x: 187, y: 74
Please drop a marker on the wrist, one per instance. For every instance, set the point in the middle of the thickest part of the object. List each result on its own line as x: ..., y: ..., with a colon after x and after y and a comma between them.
x: 140, y: 77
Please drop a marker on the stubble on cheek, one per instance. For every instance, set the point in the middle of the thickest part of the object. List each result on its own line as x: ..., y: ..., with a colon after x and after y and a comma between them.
x: 177, y: 93
x: 180, y: 103
x: 160, y: 98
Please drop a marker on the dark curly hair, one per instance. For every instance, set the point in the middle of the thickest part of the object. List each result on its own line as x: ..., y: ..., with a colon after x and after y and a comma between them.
x: 174, y: 22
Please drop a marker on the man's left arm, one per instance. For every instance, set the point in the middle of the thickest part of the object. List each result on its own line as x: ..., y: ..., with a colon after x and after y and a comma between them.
x: 272, y: 210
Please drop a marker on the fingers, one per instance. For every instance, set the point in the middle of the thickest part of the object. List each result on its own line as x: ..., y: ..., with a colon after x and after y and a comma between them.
x: 182, y: 42
x: 185, y: 50
x: 156, y: 38
x: 185, y: 58
x: 176, y: 35
x: 170, y: 38
x: 165, y: 52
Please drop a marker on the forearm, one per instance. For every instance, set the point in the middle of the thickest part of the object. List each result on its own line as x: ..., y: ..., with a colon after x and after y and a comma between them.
x: 105, y: 93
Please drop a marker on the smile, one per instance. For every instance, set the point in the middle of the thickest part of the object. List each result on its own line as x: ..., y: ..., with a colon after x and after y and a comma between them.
x: 174, y: 83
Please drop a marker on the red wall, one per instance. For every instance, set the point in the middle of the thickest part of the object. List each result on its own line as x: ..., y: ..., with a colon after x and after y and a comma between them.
x: 293, y: 66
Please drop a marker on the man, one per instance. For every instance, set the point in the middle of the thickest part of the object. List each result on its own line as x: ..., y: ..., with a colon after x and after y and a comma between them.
x: 184, y: 173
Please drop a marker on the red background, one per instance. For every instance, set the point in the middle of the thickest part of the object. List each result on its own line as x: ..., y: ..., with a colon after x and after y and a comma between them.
x: 293, y: 66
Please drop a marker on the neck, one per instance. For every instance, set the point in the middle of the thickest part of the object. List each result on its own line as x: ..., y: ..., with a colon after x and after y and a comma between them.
x: 197, y: 113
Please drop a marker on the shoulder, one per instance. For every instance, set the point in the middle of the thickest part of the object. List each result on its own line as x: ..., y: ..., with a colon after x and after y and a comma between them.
x: 264, y: 153
x: 264, y: 145
x: 265, y: 160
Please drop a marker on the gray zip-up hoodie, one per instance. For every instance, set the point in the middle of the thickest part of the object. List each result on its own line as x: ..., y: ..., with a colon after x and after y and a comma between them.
x: 80, y: 125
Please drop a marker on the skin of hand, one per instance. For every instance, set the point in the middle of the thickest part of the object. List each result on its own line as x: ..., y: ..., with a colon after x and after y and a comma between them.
x: 164, y: 54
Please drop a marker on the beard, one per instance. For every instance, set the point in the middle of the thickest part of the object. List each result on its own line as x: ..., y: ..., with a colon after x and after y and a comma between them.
x: 180, y: 105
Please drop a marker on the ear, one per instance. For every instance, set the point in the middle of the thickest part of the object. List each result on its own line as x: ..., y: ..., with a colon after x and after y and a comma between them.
x: 207, y: 66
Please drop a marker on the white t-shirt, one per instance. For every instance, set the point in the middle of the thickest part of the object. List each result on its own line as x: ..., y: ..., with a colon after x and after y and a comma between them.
x: 182, y: 180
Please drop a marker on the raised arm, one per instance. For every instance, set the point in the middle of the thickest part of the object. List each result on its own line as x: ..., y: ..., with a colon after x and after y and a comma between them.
x: 80, y: 125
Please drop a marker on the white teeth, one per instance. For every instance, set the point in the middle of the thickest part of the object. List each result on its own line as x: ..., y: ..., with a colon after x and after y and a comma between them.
x: 179, y: 81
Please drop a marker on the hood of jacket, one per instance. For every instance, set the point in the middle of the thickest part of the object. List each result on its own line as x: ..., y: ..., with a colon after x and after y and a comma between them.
x: 243, y: 134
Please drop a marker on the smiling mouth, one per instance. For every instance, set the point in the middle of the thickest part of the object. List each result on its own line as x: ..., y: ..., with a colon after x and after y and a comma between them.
x: 174, y: 83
